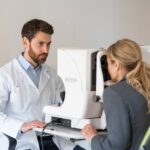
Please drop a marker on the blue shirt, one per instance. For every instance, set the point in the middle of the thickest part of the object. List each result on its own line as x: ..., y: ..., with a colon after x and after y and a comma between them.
x: 34, y: 73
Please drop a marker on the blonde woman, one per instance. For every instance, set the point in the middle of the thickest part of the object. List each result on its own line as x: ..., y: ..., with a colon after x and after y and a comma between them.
x: 127, y: 103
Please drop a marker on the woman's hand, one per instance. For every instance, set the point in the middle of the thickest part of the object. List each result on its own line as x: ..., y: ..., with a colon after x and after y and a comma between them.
x: 88, y: 132
x: 33, y: 124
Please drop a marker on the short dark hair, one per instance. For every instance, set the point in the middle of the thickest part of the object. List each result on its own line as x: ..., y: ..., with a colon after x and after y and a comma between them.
x: 33, y: 26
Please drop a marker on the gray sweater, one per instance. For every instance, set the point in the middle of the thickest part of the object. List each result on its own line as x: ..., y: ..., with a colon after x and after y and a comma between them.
x: 126, y: 116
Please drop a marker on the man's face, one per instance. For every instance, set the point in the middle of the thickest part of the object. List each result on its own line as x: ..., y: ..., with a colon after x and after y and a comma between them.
x: 38, y: 47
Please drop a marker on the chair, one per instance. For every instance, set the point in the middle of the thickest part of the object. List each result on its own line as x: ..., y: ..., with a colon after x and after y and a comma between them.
x: 145, y: 144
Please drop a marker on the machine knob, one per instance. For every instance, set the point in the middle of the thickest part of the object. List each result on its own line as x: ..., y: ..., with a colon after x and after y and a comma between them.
x: 96, y: 98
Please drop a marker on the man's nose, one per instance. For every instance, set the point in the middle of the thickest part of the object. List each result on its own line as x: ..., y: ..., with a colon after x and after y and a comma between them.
x: 45, y: 49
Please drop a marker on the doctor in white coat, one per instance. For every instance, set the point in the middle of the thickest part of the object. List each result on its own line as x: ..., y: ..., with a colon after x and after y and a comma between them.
x: 26, y: 86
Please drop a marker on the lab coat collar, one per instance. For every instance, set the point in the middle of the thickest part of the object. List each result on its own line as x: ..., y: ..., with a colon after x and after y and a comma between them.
x: 44, y: 77
x: 23, y: 62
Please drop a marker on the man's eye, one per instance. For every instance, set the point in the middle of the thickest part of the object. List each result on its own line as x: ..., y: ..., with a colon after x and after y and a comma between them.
x: 48, y: 44
x: 40, y: 44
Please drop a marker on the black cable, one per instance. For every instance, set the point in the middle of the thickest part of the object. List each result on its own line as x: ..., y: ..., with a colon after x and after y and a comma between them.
x: 41, y: 137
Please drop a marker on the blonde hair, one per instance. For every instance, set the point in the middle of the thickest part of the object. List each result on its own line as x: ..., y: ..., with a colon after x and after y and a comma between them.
x: 129, y: 54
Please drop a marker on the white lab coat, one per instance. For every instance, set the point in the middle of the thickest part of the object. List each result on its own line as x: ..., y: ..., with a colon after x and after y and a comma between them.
x: 21, y: 101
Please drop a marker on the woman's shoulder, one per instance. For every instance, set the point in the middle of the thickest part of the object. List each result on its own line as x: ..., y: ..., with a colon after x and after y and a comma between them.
x: 124, y: 92
x: 123, y: 87
x: 119, y: 86
x: 120, y: 91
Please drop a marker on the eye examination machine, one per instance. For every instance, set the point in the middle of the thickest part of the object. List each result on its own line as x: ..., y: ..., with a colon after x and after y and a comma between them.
x: 85, y: 75
x: 84, y: 72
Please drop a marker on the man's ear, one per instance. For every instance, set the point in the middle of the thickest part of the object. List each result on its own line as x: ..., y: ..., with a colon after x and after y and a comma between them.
x: 25, y: 42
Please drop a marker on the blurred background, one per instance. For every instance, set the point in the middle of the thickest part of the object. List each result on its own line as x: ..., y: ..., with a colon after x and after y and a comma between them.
x: 77, y: 23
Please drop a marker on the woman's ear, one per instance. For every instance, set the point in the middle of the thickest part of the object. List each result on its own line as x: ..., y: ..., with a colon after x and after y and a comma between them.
x: 117, y: 65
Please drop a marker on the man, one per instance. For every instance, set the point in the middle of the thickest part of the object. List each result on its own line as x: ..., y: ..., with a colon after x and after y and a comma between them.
x: 26, y: 86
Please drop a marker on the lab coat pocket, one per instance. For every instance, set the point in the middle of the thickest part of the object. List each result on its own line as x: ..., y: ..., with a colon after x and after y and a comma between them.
x: 17, y: 98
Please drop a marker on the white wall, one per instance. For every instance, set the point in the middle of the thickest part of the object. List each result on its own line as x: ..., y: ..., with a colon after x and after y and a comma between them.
x: 77, y: 23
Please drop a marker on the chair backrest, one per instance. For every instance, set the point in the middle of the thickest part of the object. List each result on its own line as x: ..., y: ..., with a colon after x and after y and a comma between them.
x: 145, y: 144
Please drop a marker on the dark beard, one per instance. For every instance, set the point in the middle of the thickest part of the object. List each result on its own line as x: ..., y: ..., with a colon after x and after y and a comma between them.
x: 37, y: 59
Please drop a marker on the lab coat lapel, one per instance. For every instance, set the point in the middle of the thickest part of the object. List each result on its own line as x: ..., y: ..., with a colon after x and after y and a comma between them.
x: 22, y: 74
x: 44, y: 78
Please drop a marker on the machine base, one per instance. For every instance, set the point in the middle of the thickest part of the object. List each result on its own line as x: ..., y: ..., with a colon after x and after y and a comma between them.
x: 64, y: 132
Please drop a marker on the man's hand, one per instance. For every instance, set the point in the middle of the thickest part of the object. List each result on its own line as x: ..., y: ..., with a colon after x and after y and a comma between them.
x: 88, y: 132
x: 33, y: 124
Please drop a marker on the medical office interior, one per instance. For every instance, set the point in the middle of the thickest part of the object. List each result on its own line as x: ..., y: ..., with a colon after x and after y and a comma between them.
x: 78, y: 24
